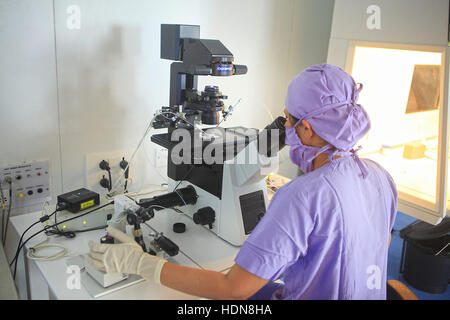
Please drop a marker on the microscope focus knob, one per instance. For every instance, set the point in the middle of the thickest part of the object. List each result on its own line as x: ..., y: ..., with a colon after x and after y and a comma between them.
x: 205, y: 216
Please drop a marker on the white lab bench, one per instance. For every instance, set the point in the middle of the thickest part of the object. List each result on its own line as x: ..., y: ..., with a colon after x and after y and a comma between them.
x: 199, y: 248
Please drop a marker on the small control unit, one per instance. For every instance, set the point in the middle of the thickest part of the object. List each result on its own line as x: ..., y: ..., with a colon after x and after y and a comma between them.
x: 79, y: 200
x: 82, y: 210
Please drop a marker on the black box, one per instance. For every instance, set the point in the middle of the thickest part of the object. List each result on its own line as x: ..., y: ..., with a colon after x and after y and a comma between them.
x: 79, y: 200
x: 171, y: 35
x: 425, y: 260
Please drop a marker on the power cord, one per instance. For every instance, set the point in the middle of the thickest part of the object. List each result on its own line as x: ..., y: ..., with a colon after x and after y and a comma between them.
x: 3, y: 207
x: 19, y: 246
x: 5, y: 227
x: 104, y: 165
x: 182, y: 179
x: 56, y: 230
x: 126, y: 167
x: 60, y: 254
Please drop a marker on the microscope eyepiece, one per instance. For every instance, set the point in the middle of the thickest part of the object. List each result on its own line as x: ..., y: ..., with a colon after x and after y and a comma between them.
x: 271, y: 148
x: 278, y: 123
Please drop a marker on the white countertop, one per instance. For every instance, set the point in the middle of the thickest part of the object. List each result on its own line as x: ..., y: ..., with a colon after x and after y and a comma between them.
x: 198, y: 248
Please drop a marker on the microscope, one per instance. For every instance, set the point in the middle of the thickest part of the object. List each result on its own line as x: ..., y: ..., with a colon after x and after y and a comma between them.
x: 218, y: 178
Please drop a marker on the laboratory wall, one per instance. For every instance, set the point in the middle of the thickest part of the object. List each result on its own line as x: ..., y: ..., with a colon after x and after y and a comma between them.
x: 80, y: 78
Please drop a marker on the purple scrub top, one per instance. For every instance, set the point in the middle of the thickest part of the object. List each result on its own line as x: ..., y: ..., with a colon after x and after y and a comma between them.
x: 326, y: 234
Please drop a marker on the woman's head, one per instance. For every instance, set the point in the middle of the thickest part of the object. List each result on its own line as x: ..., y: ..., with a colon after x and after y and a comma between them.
x: 324, y: 98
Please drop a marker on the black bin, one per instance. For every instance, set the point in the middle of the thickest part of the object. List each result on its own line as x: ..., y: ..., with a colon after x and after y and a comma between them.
x: 425, y: 261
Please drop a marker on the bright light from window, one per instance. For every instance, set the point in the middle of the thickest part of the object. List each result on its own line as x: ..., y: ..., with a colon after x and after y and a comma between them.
x: 387, y: 76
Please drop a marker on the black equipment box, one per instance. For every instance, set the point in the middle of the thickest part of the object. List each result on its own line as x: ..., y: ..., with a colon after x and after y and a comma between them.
x: 425, y: 262
x: 79, y: 200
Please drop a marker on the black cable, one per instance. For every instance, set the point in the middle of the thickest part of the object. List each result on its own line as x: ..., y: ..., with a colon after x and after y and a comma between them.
x: 125, y: 166
x: 57, y: 231
x: 91, y: 229
x: 3, y: 204
x: 21, y: 238
x: 104, y: 165
x: 67, y: 234
x: 19, y: 247
x: 59, y: 207
x: 72, y: 233
x: 49, y: 227
x: 110, y: 180
x: 42, y: 219
x: 125, y: 185
x: 9, y: 213
x: 182, y: 179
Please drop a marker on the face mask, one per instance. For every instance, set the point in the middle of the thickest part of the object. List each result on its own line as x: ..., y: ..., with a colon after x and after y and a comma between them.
x: 300, y: 154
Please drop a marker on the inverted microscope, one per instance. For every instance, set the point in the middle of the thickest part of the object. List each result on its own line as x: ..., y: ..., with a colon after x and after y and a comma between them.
x: 228, y: 196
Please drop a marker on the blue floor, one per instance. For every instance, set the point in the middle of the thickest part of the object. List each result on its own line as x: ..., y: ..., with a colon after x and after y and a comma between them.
x: 395, y: 252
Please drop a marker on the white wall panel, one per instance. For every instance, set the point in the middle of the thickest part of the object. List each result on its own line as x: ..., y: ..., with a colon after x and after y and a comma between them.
x: 29, y: 127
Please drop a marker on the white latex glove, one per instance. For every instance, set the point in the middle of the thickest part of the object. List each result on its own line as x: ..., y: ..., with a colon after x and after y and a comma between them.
x: 125, y: 257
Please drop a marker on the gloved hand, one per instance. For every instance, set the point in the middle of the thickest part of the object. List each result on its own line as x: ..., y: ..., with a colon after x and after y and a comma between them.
x: 125, y: 257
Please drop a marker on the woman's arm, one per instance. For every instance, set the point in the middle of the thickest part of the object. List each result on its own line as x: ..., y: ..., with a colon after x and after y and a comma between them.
x: 236, y: 284
x: 128, y: 257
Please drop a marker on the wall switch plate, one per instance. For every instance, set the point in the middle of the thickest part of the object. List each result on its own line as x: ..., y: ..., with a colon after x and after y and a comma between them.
x: 149, y: 166
x: 30, y: 183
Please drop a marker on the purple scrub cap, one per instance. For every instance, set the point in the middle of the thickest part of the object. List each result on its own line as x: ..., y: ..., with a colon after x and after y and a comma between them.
x: 326, y: 96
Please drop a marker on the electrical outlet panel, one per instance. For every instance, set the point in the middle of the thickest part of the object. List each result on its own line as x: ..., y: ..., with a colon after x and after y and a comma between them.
x: 30, y: 183
x: 149, y: 165
x: 94, y: 174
